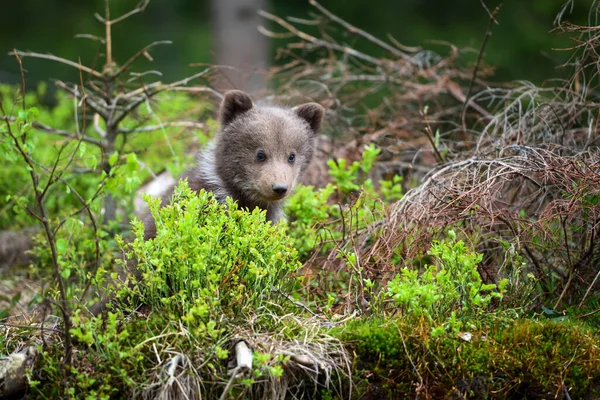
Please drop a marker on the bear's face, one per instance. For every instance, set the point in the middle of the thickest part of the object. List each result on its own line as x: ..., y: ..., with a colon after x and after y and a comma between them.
x: 261, y: 152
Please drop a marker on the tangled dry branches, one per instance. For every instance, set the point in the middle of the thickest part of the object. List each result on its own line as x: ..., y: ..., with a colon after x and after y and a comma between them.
x: 518, y: 172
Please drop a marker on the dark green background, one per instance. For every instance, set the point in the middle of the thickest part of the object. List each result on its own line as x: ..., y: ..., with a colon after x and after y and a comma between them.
x: 521, y: 46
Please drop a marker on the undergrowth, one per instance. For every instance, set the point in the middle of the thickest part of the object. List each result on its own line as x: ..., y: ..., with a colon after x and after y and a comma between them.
x: 204, y: 296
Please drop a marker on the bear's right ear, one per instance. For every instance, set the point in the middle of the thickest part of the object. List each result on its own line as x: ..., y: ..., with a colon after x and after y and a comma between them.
x: 234, y: 103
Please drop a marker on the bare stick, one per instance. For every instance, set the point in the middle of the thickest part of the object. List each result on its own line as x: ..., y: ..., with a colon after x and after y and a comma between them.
x: 107, y: 34
x: 587, y: 292
x: 83, y: 123
x: 151, y: 128
x: 51, y: 57
x: 31, y: 327
x: 139, y: 8
x: 132, y: 106
x: 138, y: 54
x: 22, y: 77
x: 588, y: 314
x: 87, y: 209
x: 101, y: 109
x: 591, y: 249
x: 488, y: 33
x: 318, y: 42
x: 198, y: 89
x: 92, y: 37
x: 429, y: 134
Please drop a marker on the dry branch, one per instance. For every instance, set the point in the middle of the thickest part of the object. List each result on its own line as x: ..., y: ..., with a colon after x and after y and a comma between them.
x: 315, y: 41
x: 488, y: 33
x: 128, y: 63
x: 51, y: 57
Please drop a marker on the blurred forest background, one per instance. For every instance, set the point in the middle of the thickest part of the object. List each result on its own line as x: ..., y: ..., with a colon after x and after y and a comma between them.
x: 522, y: 45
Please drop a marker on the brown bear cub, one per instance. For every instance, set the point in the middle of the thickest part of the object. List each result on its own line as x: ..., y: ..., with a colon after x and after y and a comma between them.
x: 257, y: 157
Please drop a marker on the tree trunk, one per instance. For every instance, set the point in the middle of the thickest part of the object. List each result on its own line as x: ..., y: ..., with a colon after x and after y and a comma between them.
x: 238, y: 43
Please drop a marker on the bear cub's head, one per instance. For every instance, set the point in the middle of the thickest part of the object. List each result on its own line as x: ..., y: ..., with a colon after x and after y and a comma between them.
x: 262, y: 151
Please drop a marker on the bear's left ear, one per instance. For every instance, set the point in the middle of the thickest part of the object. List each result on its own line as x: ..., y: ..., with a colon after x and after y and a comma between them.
x: 235, y: 102
x: 311, y: 113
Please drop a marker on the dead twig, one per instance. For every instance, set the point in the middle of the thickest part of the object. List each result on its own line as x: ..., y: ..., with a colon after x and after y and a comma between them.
x: 488, y: 34
x: 51, y: 57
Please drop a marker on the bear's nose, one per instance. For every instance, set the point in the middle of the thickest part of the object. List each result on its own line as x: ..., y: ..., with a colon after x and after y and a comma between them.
x: 279, y: 188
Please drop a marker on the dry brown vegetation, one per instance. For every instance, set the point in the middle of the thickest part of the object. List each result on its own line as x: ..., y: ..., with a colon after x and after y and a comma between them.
x: 516, y: 164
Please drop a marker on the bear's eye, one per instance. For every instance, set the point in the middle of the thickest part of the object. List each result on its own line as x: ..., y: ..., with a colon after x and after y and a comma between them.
x: 260, y: 156
x: 292, y: 158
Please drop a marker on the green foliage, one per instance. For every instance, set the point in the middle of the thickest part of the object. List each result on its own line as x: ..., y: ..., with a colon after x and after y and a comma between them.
x: 452, y: 286
x: 315, y: 219
x: 209, y: 262
x: 111, y: 362
x: 16, y: 187
x: 309, y: 210
x: 267, y: 365
x: 348, y: 178
x: 155, y: 150
x: 210, y: 269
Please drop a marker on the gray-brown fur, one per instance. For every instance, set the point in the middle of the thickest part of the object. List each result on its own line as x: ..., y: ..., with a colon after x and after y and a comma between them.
x: 229, y: 166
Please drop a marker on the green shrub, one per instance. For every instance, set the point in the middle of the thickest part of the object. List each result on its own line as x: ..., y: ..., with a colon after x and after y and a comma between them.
x: 452, y: 286
x: 349, y: 204
x: 210, y: 261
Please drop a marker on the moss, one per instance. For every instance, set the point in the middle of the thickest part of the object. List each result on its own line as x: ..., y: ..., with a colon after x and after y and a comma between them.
x: 525, y: 359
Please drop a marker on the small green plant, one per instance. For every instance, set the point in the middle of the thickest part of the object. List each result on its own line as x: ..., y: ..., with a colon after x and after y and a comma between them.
x: 353, y: 177
x: 267, y: 365
x: 450, y: 287
x: 318, y: 217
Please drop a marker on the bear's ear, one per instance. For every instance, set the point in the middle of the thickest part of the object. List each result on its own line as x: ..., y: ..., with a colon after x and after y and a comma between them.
x: 311, y: 113
x: 234, y: 103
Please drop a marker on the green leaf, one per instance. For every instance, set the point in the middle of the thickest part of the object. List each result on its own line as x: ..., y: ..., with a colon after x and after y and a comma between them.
x: 61, y: 245
x: 82, y: 148
x: 551, y: 313
x: 112, y: 160
x: 21, y: 116
x: 65, y: 273
x: 34, y: 113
